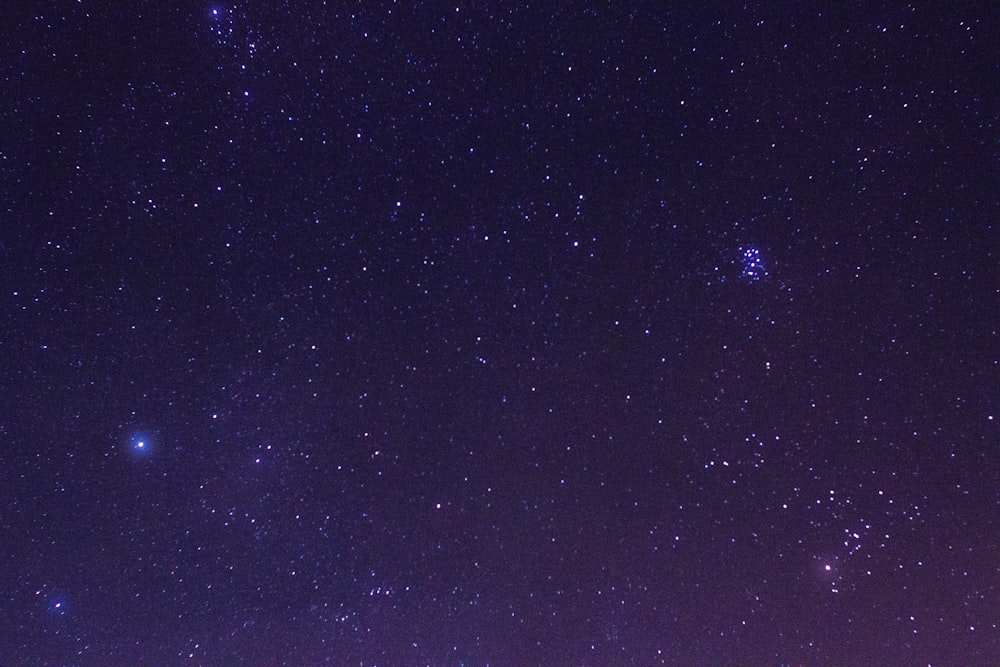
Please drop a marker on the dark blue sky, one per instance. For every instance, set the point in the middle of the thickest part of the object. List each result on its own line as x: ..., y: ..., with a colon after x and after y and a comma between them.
x: 498, y: 334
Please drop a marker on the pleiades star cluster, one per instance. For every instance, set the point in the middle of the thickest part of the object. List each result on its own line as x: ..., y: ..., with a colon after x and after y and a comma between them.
x: 340, y: 333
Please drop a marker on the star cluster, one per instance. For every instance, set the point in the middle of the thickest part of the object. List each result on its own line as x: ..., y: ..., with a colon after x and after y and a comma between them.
x: 478, y: 334
x: 752, y: 266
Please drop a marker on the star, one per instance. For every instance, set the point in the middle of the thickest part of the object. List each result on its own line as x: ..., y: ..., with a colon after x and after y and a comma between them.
x: 141, y: 443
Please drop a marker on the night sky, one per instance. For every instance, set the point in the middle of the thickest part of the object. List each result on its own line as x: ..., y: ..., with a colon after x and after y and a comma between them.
x: 414, y: 333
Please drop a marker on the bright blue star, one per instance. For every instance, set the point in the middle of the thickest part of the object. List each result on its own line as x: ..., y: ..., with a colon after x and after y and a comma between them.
x: 141, y: 444
x: 55, y: 603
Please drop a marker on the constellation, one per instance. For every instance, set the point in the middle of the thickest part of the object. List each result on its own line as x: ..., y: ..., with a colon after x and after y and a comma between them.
x: 238, y: 36
x: 748, y: 264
